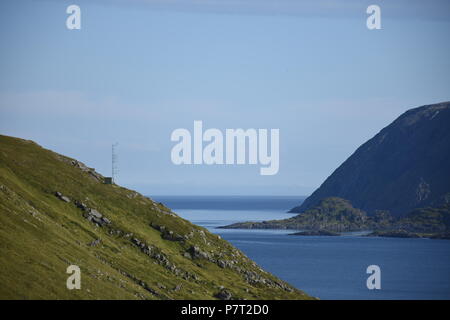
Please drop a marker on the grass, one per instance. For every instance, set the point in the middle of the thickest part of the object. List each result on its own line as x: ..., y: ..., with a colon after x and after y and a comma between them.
x: 41, y: 235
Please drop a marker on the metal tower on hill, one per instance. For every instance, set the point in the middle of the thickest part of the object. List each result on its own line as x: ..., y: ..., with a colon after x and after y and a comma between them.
x: 114, y: 159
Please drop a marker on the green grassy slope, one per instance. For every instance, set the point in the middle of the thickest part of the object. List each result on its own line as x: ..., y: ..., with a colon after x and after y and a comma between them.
x: 141, y: 251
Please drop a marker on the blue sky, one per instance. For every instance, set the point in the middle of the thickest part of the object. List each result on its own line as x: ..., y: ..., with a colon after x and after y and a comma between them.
x: 139, y: 69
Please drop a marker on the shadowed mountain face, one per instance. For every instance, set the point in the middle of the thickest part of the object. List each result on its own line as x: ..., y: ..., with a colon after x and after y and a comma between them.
x: 405, y: 166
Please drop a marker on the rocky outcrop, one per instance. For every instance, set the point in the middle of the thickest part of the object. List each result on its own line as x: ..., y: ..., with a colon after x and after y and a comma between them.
x: 224, y: 295
x: 168, y: 234
x: 96, y: 217
x: 81, y: 166
x: 94, y: 243
x: 62, y: 197
x: 196, y: 253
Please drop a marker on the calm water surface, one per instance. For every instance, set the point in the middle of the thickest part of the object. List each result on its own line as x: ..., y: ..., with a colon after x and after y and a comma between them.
x: 325, y: 267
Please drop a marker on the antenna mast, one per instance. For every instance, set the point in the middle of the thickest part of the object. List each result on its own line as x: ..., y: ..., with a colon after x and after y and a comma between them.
x: 114, y: 169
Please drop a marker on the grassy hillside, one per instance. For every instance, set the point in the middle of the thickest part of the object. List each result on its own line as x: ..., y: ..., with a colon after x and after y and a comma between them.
x: 55, y: 212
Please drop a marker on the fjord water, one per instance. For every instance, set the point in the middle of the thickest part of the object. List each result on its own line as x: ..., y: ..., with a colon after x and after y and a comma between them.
x: 323, y: 266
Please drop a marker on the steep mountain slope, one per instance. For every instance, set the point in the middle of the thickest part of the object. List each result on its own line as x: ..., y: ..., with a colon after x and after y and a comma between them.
x: 405, y: 166
x: 55, y: 212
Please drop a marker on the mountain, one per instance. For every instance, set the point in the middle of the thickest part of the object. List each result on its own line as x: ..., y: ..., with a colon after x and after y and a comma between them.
x: 56, y: 212
x: 397, y: 184
x: 404, y: 167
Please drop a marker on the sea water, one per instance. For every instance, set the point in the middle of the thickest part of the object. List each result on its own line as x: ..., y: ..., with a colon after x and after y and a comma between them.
x: 326, y: 267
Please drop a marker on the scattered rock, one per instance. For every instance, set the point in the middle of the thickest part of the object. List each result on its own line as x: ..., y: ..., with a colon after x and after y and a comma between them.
x: 96, y: 217
x: 90, y: 171
x: 223, y: 263
x: 115, y: 232
x: 187, y: 255
x: 196, y: 253
x: 136, y: 241
x: 161, y: 286
x: 167, y: 234
x: 224, y: 295
x: 106, y: 220
x: 81, y: 205
x: 94, y: 213
x: 146, y: 287
x: 177, y: 287
x: 94, y: 243
x: 132, y: 195
x: 62, y: 197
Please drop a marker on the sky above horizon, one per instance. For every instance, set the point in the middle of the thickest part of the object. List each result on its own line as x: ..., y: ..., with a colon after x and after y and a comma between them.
x: 139, y: 69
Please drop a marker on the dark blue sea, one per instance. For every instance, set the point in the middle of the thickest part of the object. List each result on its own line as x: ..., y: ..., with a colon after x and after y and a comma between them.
x: 322, y: 266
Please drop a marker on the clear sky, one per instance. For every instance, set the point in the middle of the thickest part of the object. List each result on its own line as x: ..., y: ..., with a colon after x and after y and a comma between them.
x: 139, y: 69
